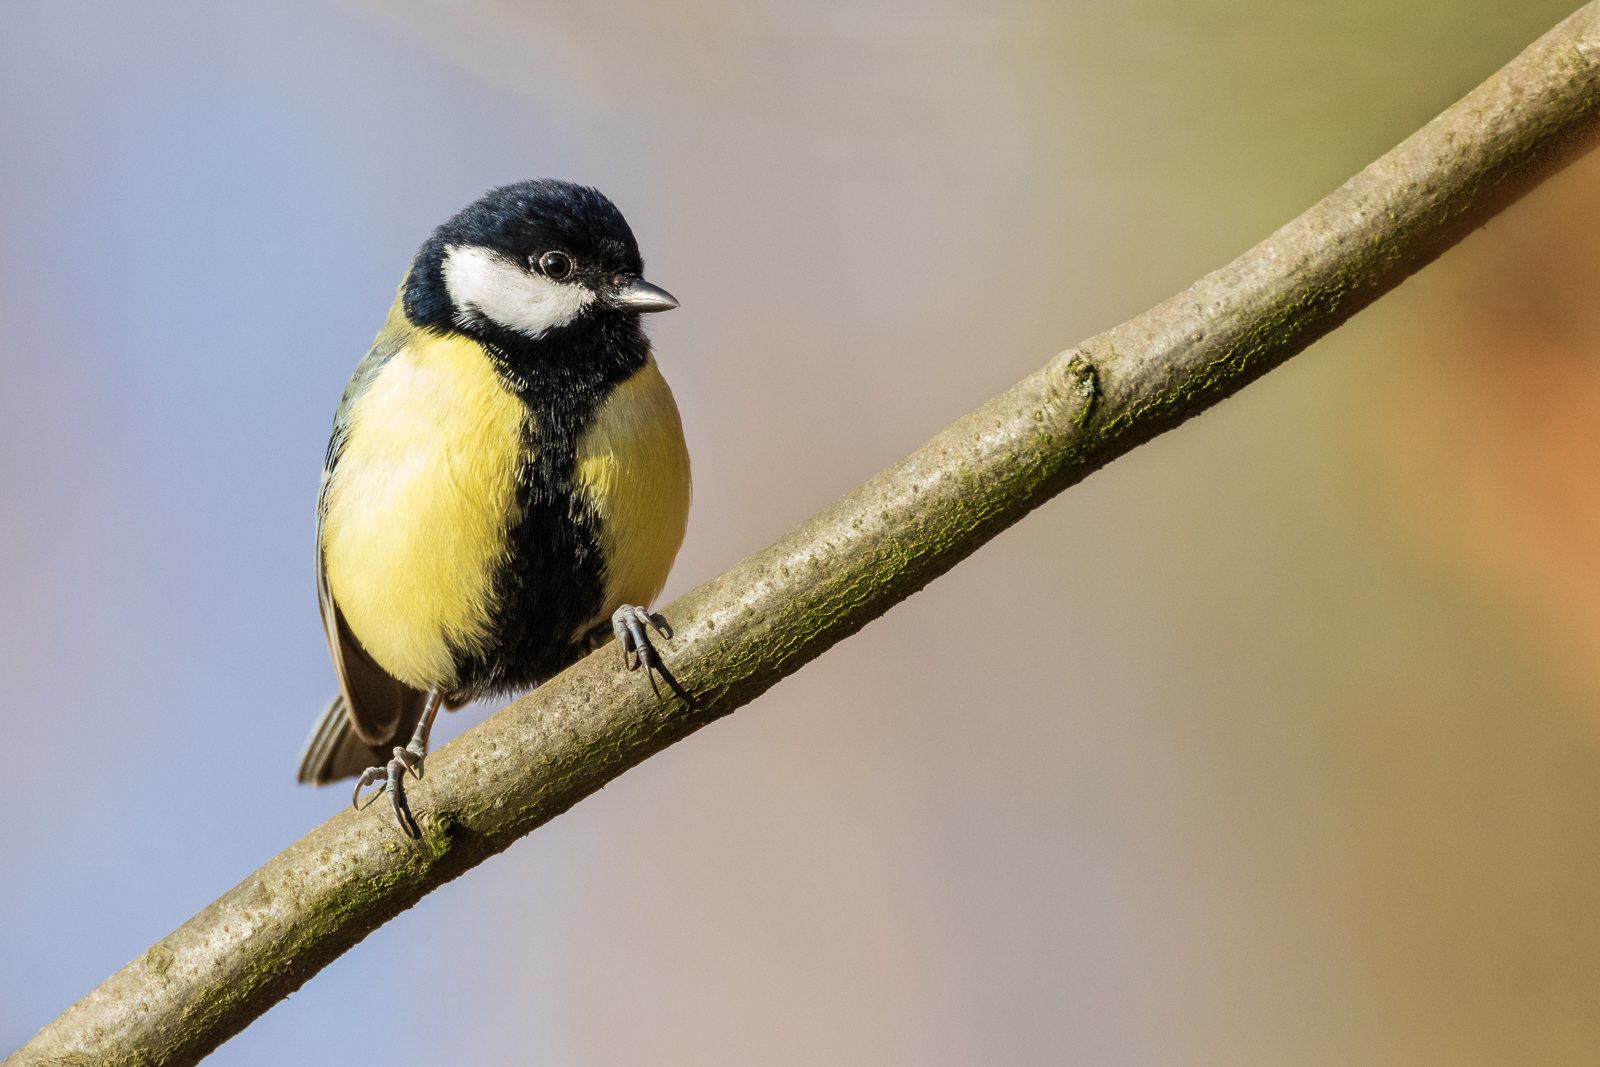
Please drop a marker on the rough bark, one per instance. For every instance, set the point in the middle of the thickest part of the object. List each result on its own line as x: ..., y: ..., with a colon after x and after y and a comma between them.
x: 773, y: 612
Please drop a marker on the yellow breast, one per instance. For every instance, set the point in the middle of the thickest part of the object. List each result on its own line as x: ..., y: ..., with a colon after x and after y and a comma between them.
x: 419, y: 504
x: 633, y: 466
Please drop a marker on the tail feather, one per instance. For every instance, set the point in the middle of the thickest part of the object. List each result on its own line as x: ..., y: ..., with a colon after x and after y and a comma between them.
x: 335, y: 751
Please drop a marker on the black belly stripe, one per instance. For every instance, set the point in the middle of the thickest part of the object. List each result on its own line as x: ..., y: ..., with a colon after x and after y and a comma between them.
x: 554, y: 579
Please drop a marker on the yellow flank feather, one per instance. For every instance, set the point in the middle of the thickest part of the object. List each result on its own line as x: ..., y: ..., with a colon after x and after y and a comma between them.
x: 419, y: 505
x: 634, y: 467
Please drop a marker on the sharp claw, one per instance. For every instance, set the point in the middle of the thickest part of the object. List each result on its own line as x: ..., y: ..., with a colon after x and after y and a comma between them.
x: 412, y: 761
x: 632, y: 626
x: 644, y: 650
x: 368, y: 776
x: 647, y: 659
x: 408, y: 824
x: 402, y: 815
x: 397, y: 797
x: 390, y: 777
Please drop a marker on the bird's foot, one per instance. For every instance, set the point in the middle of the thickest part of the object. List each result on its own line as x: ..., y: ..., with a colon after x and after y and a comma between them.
x: 390, y: 777
x: 629, y: 624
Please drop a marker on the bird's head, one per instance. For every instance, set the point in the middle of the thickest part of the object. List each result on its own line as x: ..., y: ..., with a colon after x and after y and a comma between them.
x: 529, y: 258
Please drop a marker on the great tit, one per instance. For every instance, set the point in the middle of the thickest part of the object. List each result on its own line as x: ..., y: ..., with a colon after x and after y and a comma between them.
x: 507, y: 484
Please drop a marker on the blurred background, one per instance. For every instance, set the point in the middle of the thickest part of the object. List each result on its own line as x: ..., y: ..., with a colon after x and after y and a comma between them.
x: 1306, y: 770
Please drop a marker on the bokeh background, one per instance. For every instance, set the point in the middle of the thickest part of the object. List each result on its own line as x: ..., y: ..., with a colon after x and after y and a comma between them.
x: 1274, y: 742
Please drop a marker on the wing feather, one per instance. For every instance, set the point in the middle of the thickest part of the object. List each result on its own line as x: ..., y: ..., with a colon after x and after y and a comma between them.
x: 377, y: 707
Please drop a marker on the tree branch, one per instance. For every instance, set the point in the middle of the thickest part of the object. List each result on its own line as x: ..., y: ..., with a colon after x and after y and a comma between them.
x: 775, y: 611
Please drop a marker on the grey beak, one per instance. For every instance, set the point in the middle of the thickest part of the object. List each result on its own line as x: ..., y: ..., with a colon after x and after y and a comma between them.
x: 640, y: 295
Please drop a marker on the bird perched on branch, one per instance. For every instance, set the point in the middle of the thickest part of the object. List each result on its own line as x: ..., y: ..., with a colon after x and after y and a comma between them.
x: 507, y: 484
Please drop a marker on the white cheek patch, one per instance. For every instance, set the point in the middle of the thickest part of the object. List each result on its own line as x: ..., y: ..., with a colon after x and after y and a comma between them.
x: 486, y: 283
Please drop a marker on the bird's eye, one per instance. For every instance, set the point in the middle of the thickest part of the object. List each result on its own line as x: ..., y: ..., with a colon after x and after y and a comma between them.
x: 555, y: 265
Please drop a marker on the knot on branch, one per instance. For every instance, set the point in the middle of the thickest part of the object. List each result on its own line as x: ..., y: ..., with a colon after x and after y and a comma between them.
x: 1074, y: 378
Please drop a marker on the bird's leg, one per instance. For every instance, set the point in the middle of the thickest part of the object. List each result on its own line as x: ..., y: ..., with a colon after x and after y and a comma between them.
x: 417, y: 750
x: 390, y: 777
x: 629, y: 623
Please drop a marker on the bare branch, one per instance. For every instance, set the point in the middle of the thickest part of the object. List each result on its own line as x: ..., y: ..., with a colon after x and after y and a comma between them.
x: 766, y: 617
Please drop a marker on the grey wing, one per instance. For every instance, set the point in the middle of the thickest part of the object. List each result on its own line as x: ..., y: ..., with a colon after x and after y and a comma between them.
x: 379, y: 706
x: 373, y: 708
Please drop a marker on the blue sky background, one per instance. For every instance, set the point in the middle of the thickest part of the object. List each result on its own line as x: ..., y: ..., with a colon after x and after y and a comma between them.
x: 1266, y: 784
